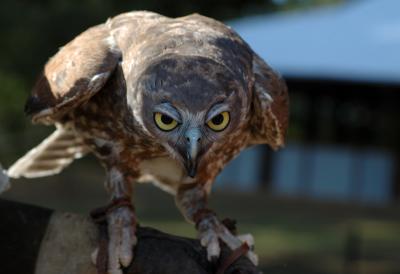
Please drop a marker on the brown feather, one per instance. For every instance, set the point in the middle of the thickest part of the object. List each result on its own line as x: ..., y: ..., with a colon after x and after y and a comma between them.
x: 74, y: 74
x: 50, y: 157
x: 270, y: 114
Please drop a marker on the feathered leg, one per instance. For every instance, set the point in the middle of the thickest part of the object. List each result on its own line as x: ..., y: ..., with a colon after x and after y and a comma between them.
x: 121, y: 223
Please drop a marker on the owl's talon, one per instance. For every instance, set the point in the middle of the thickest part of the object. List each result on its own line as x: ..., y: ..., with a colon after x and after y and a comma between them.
x: 121, y: 227
x: 211, y: 230
x: 94, y: 255
x: 122, y: 238
x: 213, y: 249
x: 248, y: 239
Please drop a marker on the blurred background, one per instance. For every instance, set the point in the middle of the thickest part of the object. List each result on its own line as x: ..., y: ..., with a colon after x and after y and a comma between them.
x: 328, y: 202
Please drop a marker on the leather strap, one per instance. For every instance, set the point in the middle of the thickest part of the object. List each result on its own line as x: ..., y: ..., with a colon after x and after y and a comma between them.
x: 98, y: 215
x: 236, y: 254
x: 201, y: 214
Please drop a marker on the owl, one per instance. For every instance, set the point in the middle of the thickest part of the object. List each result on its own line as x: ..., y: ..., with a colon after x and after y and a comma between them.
x: 170, y: 101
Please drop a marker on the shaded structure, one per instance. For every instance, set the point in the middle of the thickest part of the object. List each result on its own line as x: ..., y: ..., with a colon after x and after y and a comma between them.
x: 342, y: 67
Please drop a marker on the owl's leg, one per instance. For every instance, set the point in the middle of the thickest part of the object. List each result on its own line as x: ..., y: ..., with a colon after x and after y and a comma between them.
x: 192, y: 201
x: 121, y: 222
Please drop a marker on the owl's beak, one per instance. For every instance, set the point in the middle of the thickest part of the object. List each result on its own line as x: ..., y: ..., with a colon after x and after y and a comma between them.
x: 193, y: 137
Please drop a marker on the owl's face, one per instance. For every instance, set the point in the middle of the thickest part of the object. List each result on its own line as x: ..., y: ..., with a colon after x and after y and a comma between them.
x: 188, y: 104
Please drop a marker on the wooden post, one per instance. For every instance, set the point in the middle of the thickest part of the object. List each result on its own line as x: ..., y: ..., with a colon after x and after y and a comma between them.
x: 42, y: 241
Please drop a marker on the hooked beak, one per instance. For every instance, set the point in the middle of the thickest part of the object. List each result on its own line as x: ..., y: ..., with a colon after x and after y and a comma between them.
x: 193, y: 137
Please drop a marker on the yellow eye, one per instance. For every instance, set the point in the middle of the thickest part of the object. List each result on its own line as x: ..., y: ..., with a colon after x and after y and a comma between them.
x: 219, y: 122
x: 165, y: 122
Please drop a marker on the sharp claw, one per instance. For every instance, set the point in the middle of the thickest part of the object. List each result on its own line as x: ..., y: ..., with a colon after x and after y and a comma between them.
x: 252, y: 257
x: 247, y: 238
x: 213, y: 250
x: 209, y: 238
x: 113, y: 261
x: 206, y: 238
x: 203, y: 242
x: 113, y: 245
x: 231, y: 241
x: 93, y: 256
x: 126, y: 260
x: 134, y: 241
x: 127, y: 244
x: 126, y: 253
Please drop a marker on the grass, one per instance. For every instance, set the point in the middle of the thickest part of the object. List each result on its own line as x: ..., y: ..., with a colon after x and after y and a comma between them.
x: 299, y: 236
x: 316, y: 248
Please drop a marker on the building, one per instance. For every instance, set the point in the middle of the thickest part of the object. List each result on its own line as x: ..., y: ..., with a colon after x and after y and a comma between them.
x: 342, y: 66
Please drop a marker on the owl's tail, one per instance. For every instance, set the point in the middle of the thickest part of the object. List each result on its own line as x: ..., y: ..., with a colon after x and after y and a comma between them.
x: 50, y: 157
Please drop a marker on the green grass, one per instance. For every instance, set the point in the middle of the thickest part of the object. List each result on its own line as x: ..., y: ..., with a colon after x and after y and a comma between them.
x: 301, y: 236
x: 320, y: 248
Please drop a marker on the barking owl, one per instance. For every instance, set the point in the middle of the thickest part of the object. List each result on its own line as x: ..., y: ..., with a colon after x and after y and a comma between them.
x: 157, y: 99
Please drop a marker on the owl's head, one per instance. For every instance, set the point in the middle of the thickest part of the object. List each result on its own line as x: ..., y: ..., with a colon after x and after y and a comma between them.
x: 189, y: 103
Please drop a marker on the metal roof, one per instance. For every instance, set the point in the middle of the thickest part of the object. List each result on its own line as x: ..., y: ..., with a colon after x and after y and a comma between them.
x: 358, y: 41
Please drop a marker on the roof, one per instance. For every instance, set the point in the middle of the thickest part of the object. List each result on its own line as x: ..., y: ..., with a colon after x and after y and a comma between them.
x: 357, y: 41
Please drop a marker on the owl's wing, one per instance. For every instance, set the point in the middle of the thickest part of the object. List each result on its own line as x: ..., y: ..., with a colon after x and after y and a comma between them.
x: 74, y: 74
x: 51, y: 156
x: 270, y: 106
